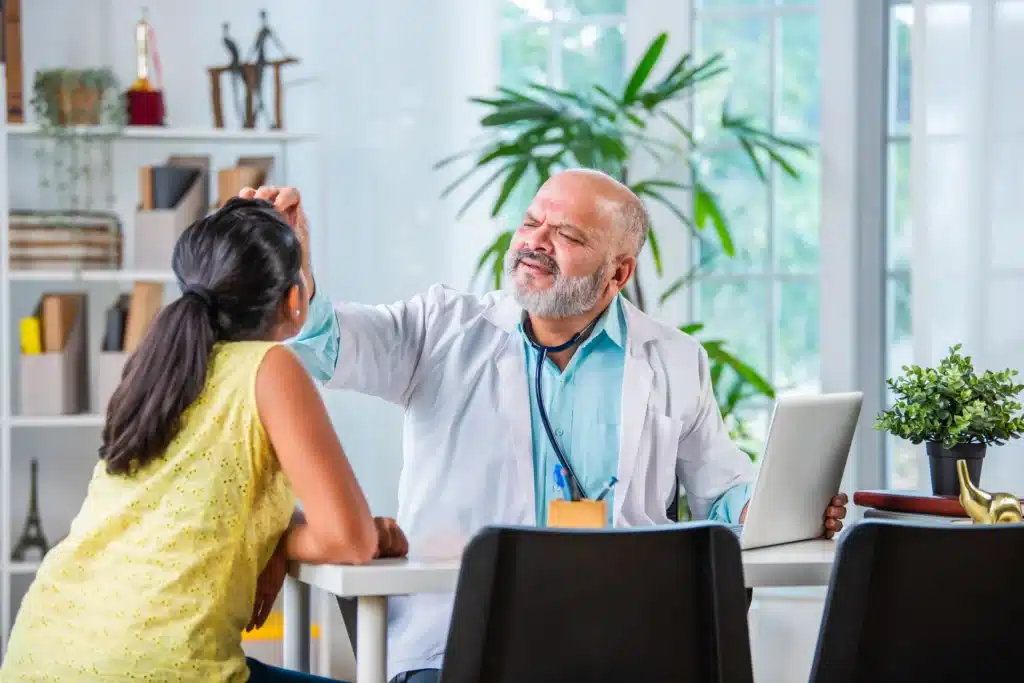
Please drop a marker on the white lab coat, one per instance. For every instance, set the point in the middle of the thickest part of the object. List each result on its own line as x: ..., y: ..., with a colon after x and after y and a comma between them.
x: 455, y: 362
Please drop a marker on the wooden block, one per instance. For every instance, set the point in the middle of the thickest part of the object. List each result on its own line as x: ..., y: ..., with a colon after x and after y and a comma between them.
x: 147, y: 300
x: 230, y: 182
x: 58, y: 313
x: 581, y: 514
x: 146, y: 188
x: 13, y: 62
x: 247, y: 172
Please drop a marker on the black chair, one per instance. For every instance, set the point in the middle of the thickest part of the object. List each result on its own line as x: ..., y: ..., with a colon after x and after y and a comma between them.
x: 564, y: 606
x: 923, y: 603
x: 673, y: 514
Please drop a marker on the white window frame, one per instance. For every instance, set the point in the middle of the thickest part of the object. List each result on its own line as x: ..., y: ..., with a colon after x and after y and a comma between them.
x: 893, y: 134
x: 853, y: 227
x: 771, y: 13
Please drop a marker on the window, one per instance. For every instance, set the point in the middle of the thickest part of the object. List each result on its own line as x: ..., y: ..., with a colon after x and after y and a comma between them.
x: 568, y: 44
x: 764, y: 301
x: 903, y: 471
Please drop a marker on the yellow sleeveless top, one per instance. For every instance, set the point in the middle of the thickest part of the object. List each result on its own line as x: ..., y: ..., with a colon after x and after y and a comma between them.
x: 157, y: 578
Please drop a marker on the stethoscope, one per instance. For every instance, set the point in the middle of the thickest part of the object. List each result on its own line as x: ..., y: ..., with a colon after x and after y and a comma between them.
x: 575, y: 487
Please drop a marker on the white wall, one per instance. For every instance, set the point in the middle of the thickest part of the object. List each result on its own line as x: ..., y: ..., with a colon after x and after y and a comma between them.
x: 396, y: 87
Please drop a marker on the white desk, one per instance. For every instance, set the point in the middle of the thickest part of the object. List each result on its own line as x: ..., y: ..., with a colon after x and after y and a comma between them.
x: 808, y: 563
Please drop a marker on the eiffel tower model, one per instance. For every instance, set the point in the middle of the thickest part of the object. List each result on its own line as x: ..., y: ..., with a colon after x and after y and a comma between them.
x: 32, y: 535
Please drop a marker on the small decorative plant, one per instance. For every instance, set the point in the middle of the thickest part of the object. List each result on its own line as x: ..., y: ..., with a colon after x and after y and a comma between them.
x: 956, y: 412
x: 63, y: 97
x: 79, y: 113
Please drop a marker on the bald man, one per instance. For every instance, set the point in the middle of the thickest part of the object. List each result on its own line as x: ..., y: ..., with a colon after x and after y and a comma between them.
x: 559, y: 388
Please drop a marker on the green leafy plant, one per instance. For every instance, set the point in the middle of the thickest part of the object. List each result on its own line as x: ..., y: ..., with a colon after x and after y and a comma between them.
x: 734, y: 382
x: 952, y: 405
x: 538, y: 130
x: 534, y: 132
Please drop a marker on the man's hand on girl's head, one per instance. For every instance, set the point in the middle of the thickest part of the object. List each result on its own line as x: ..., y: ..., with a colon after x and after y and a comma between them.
x: 288, y: 202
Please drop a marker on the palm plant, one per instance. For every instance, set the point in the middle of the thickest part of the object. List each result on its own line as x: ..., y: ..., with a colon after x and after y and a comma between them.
x: 534, y: 132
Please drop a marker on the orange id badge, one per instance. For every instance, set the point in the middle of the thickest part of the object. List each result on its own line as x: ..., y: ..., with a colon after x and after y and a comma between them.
x: 580, y: 514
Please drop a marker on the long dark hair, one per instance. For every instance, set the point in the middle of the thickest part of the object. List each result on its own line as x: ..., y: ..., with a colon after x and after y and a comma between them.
x: 235, y: 268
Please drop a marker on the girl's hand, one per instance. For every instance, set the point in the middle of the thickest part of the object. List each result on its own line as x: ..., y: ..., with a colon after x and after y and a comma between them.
x: 392, y: 541
x: 268, y: 586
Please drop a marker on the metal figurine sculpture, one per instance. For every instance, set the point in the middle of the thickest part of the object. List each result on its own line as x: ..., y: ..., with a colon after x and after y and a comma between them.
x: 984, y: 507
x: 258, y: 56
x: 32, y: 535
x: 252, y: 70
x: 236, y: 71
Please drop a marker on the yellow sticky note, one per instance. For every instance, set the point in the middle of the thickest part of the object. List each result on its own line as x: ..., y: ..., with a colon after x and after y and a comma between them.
x: 31, y: 336
x: 580, y: 514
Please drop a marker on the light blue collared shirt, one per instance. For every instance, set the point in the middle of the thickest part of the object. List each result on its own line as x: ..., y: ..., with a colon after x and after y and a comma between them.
x: 584, y: 401
x: 583, y: 405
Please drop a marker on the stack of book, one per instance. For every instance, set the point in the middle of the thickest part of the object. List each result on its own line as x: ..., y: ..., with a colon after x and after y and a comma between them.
x: 911, y: 506
x: 64, y: 241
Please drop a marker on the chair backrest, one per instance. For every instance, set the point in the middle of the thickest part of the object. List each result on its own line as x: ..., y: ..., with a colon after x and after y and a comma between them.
x: 918, y: 602
x: 640, y: 605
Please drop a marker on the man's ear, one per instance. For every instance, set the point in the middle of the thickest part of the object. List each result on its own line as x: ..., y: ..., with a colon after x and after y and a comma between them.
x: 624, y: 268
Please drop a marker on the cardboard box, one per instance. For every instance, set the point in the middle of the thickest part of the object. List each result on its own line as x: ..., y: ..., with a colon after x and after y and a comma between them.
x: 56, y: 382
x: 158, y: 229
x: 108, y: 377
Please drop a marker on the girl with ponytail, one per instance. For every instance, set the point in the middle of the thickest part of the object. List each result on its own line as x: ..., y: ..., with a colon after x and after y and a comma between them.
x: 187, y: 527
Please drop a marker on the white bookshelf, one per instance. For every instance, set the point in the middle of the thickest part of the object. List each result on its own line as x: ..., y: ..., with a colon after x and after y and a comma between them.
x: 11, y: 424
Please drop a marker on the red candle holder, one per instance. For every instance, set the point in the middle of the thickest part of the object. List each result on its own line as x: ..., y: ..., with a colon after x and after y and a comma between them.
x: 145, y: 107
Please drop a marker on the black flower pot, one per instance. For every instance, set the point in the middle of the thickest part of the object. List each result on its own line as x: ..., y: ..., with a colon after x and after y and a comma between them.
x: 942, y: 462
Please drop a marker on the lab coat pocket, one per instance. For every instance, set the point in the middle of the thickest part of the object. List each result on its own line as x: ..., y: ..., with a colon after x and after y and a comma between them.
x: 596, y: 458
x: 664, y: 451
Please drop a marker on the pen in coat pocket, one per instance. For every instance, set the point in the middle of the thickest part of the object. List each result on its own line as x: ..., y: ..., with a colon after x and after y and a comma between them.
x: 562, y: 480
x: 606, y: 489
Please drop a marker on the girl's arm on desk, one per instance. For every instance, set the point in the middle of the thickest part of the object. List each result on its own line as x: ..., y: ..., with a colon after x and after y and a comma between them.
x: 337, y: 526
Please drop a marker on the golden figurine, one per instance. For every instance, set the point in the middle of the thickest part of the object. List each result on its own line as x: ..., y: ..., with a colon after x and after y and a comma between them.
x: 983, y: 507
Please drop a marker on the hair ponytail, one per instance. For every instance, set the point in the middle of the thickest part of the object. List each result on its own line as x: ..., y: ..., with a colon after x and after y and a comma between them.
x: 236, y: 266
x: 161, y: 379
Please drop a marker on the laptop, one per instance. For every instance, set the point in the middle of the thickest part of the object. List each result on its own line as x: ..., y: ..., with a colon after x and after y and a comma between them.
x: 801, y: 468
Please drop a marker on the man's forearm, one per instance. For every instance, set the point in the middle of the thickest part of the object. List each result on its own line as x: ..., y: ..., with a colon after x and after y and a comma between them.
x: 731, y: 506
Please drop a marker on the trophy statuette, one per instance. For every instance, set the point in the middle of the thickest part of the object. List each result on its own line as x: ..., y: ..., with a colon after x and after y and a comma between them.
x: 984, y: 507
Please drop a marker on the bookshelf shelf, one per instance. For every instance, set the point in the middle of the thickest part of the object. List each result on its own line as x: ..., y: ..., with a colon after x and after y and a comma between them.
x: 55, y: 421
x: 171, y: 134
x: 111, y: 275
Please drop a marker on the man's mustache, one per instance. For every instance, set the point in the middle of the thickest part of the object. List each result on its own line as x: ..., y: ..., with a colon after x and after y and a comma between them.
x: 537, y: 257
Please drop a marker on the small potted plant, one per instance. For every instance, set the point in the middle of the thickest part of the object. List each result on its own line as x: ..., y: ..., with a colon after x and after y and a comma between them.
x: 68, y: 97
x: 956, y: 413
